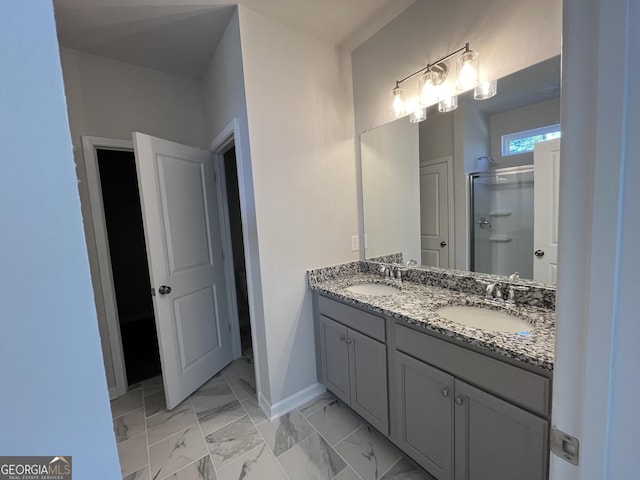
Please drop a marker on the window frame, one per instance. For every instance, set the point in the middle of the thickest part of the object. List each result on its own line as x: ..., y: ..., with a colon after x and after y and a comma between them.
x: 508, y: 138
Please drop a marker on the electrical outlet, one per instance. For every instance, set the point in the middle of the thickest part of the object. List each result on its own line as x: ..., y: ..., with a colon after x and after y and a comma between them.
x: 355, y: 243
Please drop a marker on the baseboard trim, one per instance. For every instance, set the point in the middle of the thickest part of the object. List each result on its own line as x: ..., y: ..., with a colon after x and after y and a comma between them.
x: 291, y: 402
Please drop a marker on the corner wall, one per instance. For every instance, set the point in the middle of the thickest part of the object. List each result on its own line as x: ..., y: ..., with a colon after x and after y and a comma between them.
x: 300, y: 118
x: 224, y: 93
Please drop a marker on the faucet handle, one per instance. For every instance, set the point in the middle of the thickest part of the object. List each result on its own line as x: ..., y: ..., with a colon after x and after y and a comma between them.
x: 498, y: 292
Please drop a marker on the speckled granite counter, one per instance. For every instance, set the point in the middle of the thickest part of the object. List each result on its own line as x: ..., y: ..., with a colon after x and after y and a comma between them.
x: 416, y: 304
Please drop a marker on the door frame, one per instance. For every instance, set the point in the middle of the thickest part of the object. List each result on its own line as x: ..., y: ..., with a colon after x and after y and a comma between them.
x: 449, y: 161
x: 109, y: 314
x: 230, y: 136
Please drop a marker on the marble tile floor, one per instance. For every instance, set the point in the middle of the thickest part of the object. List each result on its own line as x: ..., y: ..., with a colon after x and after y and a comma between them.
x: 220, y: 433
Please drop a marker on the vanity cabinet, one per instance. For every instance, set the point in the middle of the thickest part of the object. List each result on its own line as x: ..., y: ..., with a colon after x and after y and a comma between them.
x: 424, y: 417
x: 353, y: 360
x: 459, y: 413
x: 455, y: 430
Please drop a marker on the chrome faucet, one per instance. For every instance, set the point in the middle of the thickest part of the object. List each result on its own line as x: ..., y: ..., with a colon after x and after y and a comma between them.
x: 411, y: 263
x: 392, y: 271
x: 511, y: 289
x: 495, y: 291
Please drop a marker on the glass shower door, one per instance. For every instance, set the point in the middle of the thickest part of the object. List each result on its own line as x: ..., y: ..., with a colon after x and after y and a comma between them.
x: 502, y: 221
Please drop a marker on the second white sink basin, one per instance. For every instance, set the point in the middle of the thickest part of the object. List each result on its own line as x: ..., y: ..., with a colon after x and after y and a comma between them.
x: 374, y: 289
x: 485, y: 319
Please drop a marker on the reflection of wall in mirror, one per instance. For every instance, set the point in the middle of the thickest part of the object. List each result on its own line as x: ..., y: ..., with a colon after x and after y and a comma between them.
x: 390, y: 190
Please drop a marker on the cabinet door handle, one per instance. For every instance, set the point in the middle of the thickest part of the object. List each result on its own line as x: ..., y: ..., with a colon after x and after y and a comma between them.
x: 445, y: 392
x: 343, y: 338
x: 349, y: 340
x: 459, y: 400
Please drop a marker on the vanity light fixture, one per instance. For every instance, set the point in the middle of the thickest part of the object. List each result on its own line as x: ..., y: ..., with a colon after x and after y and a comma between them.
x: 448, y: 104
x: 419, y: 115
x: 433, y: 75
x: 468, y: 69
x: 485, y: 90
x: 398, y: 105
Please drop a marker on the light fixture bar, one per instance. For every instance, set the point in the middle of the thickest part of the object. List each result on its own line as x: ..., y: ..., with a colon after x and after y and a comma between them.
x: 429, y: 65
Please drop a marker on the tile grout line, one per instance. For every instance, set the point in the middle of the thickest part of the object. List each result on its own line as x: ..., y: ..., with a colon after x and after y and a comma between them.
x: 179, y: 430
x: 130, y: 411
x: 204, y: 438
x: 286, y: 475
x: 318, y: 409
x: 334, y: 446
x: 146, y: 431
x: 264, y: 442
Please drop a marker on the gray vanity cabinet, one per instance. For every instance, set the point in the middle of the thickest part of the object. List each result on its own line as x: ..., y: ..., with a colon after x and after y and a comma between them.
x: 335, y: 358
x: 459, y: 413
x: 457, y: 431
x: 496, y: 440
x: 424, y: 418
x: 354, y: 365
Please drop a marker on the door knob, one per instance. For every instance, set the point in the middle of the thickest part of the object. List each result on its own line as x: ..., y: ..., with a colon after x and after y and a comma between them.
x: 164, y: 289
x: 445, y: 392
x: 539, y: 253
x: 443, y: 243
x: 459, y: 400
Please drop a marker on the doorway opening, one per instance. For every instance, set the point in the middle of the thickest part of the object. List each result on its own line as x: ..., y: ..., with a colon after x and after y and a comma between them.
x: 237, y: 248
x: 128, y: 256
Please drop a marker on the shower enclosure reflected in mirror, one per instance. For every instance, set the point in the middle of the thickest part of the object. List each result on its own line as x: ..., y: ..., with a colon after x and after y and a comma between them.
x: 502, y: 221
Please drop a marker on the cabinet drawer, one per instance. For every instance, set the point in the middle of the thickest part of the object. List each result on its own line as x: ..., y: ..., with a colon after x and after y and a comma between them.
x: 514, y: 384
x: 363, y: 322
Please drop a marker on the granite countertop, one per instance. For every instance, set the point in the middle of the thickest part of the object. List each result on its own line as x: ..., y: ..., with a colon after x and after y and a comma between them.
x: 416, y: 304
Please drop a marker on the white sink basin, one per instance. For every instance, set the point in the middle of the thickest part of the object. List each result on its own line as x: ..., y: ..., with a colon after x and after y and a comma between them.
x: 373, y: 289
x: 484, y: 319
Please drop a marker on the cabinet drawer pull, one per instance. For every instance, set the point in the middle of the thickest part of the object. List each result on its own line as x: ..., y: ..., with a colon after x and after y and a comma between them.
x: 445, y: 392
x: 459, y: 400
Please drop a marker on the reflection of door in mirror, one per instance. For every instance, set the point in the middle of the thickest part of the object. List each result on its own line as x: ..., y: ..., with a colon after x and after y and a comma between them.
x: 502, y: 216
x: 435, y: 189
x: 546, y: 159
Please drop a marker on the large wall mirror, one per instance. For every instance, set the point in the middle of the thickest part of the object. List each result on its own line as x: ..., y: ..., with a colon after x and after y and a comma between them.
x: 473, y: 189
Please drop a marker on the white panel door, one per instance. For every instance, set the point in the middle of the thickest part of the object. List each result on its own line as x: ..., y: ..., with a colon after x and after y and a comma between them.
x: 184, y: 249
x: 434, y: 214
x: 546, y: 189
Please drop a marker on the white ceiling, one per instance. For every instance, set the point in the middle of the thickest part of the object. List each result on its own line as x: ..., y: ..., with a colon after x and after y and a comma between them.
x: 179, y: 36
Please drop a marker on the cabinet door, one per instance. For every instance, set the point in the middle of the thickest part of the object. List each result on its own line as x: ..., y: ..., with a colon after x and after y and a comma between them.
x: 368, y: 374
x: 425, y: 415
x: 497, y: 440
x: 334, y: 357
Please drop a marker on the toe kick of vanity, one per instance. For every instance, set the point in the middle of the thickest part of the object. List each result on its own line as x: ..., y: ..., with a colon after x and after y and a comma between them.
x: 457, y: 411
